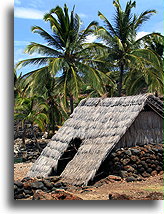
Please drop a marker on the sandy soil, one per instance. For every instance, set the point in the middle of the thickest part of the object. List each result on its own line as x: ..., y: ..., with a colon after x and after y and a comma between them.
x: 136, y: 190
x: 102, y: 189
x: 21, y: 169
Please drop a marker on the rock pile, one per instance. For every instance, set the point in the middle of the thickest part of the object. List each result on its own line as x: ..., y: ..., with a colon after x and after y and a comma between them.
x: 30, y: 152
x: 18, y: 130
x: 51, y: 188
x: 137, y: 162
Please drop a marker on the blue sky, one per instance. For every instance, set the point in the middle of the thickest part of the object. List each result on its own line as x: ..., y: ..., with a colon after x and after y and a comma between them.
x: 28, y: 13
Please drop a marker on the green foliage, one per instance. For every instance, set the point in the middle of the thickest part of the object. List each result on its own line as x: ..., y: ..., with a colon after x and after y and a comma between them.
x: 129, y: 54
x: 31, y: 110
x: 71, y: 69
x: 66, y: 53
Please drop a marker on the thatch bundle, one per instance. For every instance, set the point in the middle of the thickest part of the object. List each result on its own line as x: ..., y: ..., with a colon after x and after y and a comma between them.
x: 100, y: 124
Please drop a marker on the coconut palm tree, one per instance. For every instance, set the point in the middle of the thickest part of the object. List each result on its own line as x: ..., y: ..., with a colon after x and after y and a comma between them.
x: 120, y: 41
x: 66, y: 53
x: 151, y: 81
x: 43, y: 84
x: 31, y: 110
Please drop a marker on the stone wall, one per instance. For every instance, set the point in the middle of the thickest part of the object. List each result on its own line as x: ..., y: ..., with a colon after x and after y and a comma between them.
x: 134, y: 163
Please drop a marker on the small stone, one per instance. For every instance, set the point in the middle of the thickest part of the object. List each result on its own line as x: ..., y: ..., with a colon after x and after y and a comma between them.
x: 134, y: 158
x: 118, y: 167
x: 29, y: 192
x: 128, y: 152
x: 135, y: 151
x: 27, y: 185
x: 129, y: 168
x: 20, y: 190
x: 148, y: 160
x: 159, y: 168
x: 131, y: 179
x: 114, y: 177
x: 48, y: 184
x: 115, y: 159
x: 27, y: 196
x: 144, y: 164
x: 139, y: 179
x: 59, y: 185
x: 142, y: 153
x: 153, y: 166
x: 113, y: 155
x: 141, y: 169
x: 37, y: 185
x: 123, y: 174
x: 154, y: 173
x: 125, y: 161
x: 155, y: 150
x: 149, y: 170
x: 20, y: 196
x: 15, y: 188
x: 54, y: 179
x: 18, y: 184
x: 145, y: 174
x: 134, y: 166
x: 26, y: 179
x: 161, y: 173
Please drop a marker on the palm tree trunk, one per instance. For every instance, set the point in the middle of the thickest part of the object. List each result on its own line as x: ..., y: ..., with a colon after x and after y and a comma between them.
x: 120, y: 80
x: 35, y: 138
x: 24, y: 135
x: 71, y: 103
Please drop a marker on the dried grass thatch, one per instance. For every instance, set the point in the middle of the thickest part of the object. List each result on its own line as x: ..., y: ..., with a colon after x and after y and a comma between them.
x: 100, y: 124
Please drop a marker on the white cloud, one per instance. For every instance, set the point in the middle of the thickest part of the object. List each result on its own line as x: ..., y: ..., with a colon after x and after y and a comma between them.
x: 18, y: 2
x: 36, y: 3
x: 28, y: 13
x: 141, y: 34
x: 20, y: 43
x: 90, y: 39
x: 82, y: 15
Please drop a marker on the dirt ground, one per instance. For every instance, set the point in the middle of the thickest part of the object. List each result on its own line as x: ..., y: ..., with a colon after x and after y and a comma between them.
x: 21, y: 170
x: 139, y: 190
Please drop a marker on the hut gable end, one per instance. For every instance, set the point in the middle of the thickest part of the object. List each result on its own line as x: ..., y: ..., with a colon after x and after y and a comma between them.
x: 101, y: 125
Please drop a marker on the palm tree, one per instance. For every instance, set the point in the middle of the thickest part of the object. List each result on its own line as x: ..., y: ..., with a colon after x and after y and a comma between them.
x: 151, y: 81
x: 66, y: 54
x: 31, y: 110
x: 43, y: 84
x: 20, y: 85
x: 124, y: 50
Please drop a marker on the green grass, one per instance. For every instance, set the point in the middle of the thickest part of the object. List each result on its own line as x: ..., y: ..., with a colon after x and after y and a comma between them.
x: 154, y: 189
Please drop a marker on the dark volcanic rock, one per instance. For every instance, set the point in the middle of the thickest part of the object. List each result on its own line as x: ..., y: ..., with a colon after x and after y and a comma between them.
x: 145, y: 174
x: 114, y: 177
x: 130, y: 179
x: 19, y: 196
x: 123, y: 173
x: 128, y: 152
x: 37, y: 185
x: 135, y: 151
x: 48, y: 184
x: 125, y: 161
x: 28, y: 192
x: 60, y: 185
x: 18, y: 184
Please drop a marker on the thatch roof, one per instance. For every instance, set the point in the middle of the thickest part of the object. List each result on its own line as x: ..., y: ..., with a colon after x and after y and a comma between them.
x: 99, y: 123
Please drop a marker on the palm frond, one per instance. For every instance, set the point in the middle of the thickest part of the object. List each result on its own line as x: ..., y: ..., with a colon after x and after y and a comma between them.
x: 41, y: 49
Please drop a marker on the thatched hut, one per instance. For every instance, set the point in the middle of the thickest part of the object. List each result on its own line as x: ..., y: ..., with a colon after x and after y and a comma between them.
x: 96, y: 127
